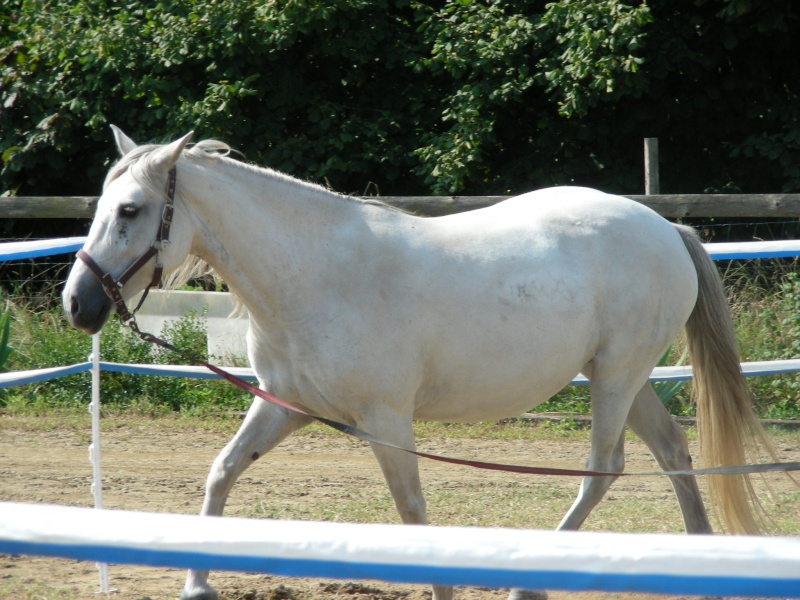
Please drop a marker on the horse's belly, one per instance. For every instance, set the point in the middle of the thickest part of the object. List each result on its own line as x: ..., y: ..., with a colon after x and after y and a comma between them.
x: 496, y: 386
x: 475, y: 405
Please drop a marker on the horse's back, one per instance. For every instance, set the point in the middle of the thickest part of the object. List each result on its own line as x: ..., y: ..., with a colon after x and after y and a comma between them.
x: 599, y: 230
x: 568, y: 206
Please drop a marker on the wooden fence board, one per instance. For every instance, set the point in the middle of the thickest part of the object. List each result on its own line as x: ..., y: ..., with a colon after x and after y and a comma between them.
x: 668, y: 205
x: 47, y: 207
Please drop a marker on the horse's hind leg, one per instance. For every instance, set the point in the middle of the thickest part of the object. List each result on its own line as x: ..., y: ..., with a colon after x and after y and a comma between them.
x: 667, y: 441
x: 592, y: 490
x: 610, y: 405
x: 263, y: 428
x: 611, y: 401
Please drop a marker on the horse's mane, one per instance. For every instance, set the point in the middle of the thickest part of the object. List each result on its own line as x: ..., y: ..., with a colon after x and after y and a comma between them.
x: 216, y: 149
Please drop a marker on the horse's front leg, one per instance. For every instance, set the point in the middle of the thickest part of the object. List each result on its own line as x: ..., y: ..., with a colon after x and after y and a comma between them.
x: 264, y: 427
x: 402, y: 474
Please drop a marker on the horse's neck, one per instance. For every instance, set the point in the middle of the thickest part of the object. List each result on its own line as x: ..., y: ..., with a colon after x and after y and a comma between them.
x: 255, y: 228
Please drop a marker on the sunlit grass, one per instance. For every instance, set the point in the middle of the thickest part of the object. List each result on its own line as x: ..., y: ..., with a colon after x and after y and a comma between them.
x: 14, y: 588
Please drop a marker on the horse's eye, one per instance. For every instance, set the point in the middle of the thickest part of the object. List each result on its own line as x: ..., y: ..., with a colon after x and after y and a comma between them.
x: 128, y: 211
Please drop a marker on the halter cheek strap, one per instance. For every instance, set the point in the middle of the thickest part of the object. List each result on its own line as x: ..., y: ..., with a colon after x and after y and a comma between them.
x: 112, y: 287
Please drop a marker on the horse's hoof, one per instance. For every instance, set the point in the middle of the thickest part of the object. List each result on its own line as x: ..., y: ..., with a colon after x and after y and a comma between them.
x: 199, y: 593
x: 517, y: 594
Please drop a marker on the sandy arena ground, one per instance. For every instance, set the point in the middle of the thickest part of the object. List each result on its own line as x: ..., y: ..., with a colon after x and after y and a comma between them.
x: 152, y: 467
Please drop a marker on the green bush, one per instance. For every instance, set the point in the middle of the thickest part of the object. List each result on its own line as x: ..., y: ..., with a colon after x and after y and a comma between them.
x: 406, y: 97
x: 771, y: 331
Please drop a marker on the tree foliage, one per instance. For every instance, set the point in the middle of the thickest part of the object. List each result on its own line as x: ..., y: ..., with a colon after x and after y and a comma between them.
x: 406, y: 97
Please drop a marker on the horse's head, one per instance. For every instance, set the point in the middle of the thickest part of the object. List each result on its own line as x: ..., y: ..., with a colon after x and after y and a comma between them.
x: 126, y: 226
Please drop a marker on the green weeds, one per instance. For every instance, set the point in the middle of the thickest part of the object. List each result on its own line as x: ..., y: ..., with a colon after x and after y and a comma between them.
x: 5, y: 330
x: 44, y: 339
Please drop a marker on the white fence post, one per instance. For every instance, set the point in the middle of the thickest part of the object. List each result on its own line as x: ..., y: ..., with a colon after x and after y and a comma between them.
x: 94, y: 447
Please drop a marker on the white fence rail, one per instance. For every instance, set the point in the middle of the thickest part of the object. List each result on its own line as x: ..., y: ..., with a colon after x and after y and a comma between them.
x: 495, y: 558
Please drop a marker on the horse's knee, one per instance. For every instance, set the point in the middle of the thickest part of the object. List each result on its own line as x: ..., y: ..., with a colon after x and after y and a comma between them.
x: 609, y: 460
x: 677, y: 460
x: 671, y: 449
x: 616, y: 462
x: 222, y: 470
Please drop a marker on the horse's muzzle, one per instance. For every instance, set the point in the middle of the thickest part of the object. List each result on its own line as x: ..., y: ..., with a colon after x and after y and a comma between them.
x: 85, y: 303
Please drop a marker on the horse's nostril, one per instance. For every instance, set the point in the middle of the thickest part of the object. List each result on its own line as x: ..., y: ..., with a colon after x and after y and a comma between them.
x: 73, y: 306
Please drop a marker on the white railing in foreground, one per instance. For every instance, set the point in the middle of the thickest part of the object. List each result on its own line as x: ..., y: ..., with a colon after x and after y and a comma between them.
x: 494, y: 558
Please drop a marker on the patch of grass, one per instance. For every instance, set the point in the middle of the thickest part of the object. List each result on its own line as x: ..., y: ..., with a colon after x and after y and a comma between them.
x: 18, y: 589
x: 783, y: 513
x: 44, y: 339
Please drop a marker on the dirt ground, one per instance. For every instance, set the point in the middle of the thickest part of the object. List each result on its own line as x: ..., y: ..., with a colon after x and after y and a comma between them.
x: 155, y: 468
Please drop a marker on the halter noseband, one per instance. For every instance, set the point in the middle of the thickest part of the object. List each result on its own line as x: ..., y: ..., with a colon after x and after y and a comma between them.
x: 113, y: 288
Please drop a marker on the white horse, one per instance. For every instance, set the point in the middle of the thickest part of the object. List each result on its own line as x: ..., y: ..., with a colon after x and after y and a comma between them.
x: 373, y: 317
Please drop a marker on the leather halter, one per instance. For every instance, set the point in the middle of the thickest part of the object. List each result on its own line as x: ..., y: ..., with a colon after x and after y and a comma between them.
x: 112, y: 287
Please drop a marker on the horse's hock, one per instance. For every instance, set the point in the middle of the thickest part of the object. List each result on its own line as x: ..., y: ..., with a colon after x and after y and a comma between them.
x: 226, y: 325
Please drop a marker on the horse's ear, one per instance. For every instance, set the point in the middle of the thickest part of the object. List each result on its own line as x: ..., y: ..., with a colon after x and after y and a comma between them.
x: 124, y: 143
x: 166, y: 156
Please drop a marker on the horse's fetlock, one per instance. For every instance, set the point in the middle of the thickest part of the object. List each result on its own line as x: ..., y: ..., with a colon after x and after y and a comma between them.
x: 205, y: 592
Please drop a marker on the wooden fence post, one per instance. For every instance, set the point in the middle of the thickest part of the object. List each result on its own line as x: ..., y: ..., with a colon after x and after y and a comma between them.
x: 652, y: 184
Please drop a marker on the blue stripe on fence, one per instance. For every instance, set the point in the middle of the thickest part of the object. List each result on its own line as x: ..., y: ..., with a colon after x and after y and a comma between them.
x: 576, y: 580
x: 39, y: 248
x: 717, y: 251
x: 16, y: 378
x: 677, y: 373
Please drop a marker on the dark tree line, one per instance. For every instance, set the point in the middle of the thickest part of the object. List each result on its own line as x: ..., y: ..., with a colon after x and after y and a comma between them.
x: 401, y: 97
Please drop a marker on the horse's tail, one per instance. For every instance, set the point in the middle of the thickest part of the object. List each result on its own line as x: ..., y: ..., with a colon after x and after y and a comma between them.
x: 726, y: 424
